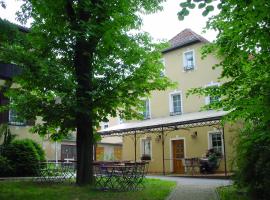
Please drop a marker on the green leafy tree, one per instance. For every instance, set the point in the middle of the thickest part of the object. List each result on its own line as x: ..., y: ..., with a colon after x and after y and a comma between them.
x: 243, y: 46
x: 82, y: 61
x: 6, y: 135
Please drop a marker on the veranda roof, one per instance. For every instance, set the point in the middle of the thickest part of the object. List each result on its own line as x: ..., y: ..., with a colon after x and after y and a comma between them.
x: 165, y: 122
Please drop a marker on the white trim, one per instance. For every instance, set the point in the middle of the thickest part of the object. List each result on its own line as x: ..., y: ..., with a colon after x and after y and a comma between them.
x: 210, y: 141
x: 207, y: 98
x: 151, y: 146
x: 162, y: 60
x: 194, y: 60
x: 150, y: 114
x: 149, y: 105
x: 171, y: 103
x: 171, y: 150
x: 120, y: 120
x: 104, y: 124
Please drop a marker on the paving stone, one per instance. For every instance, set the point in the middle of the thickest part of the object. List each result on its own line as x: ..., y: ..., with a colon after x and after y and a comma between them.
x: 194, y: 188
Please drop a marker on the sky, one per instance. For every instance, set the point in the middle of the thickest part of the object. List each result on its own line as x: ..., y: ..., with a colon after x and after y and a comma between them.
x: 162, y: 25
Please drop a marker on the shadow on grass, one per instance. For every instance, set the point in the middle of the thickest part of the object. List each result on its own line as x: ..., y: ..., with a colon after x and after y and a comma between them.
x: 26, y: 190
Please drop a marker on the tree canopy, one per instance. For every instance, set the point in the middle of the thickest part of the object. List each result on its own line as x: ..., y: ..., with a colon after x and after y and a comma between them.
x: 82, y: 61
x: 243, y: 46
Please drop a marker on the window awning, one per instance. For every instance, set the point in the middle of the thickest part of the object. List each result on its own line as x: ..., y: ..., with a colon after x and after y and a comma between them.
x: 187, y: 120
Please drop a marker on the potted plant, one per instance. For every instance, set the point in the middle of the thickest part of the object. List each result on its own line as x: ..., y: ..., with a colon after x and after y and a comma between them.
x: 146, y: 157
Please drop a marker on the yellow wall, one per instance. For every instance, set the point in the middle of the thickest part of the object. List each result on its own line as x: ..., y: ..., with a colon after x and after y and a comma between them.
x: 201, y: 76
x: 194, y: 147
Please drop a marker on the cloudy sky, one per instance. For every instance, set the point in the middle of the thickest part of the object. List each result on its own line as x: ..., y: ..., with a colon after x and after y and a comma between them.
x: 161, y: 25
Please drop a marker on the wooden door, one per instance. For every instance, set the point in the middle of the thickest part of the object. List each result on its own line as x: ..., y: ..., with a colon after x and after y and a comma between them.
x: 178, y: 155
x: 99, y: 153
x: 117, y: 153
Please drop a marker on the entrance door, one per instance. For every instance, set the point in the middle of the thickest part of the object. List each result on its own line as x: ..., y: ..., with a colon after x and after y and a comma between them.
x: 178, y: 155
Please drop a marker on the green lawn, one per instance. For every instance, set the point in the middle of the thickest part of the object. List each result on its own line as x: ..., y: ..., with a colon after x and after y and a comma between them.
x: 230, y: 193
x: 26, y: 190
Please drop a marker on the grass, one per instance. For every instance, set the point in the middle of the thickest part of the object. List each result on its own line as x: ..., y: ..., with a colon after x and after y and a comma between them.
x: 25, y: 190
x: 230, y: 193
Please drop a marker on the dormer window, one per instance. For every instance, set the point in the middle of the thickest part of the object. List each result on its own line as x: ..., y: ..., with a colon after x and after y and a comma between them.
x: 189, y: 60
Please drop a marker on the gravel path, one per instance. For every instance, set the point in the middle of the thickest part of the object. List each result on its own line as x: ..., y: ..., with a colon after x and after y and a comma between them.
x: 194, y: 188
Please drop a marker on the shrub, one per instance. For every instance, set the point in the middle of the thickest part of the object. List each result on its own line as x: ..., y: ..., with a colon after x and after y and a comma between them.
x: 23, y: 156
x: 253, y: 162
x: 5, y: 167
x: 38, y: 148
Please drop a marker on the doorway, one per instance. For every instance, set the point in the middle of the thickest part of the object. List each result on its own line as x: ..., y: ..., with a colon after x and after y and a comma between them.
x: 178, y: 151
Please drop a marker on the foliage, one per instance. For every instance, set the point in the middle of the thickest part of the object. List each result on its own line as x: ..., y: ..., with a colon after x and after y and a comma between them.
x: 6, y: 168
x: 253, y: 161
x: 6, y: 134
x: 231, y: 192
x: 23, y: 156
x: 124, y: 63
x: 207, y: 6
x: 89, y: 64
x: 38, y: 148
x: 242, y: 44
x: 154, y: 190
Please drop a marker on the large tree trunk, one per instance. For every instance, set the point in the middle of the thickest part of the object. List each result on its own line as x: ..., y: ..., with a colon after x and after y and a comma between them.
x: 83, y: 70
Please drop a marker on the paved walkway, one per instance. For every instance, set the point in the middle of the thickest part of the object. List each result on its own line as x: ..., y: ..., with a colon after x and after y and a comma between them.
x: 194, y: 188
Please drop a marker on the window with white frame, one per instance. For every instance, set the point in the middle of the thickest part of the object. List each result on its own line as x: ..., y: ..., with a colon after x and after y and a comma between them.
x: 176, y: 104
x: 105, y: 125
x: 146, y: 110
x: 121, y: 121
x: 13, y: 119
x: 216, y: 142
x: 189, y: 60
x: 212, y: 99
x: 146, y: 147
x: 162, y: 73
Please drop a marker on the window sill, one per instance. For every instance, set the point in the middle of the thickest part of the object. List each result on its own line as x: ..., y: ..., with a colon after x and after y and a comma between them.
x: 175, y: 113
x: 16, y: 124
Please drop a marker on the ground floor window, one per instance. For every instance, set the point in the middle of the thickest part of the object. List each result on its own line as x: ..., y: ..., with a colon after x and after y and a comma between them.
x: 146, y: 149
x: 13, y: 119
x: 216, y: 143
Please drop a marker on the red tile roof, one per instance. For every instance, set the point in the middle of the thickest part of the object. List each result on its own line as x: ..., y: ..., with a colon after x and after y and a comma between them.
x: 184, y: 38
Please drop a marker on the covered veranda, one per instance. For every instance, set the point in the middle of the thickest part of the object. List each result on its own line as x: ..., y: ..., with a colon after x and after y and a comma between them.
x: 162, y: 127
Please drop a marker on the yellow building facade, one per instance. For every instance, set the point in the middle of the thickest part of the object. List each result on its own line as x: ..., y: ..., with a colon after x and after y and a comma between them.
x: 175, y: 129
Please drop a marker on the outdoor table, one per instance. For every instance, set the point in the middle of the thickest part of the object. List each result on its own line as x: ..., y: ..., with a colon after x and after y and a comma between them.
x: 56, y: 172
x: 121, y: 177
x: 191, y: 164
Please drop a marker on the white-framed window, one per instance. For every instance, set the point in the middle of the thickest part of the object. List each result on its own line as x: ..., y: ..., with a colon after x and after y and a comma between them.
x: 104, y: 125
x: 216, y: 141
x: 14, y: 120
x: 120, y: 120
x: 162, y: 73
x: 176, y: 103
x: 212, y: 99
x: 146, y: 110
x: 189, y: 60
x: 146, y: 147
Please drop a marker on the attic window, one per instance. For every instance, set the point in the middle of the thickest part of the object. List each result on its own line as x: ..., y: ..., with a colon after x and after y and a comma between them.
x: 189, y: 61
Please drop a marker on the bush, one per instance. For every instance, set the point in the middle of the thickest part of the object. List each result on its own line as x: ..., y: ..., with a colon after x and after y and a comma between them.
x: 24, y: 157
x: 253, y: 162
x: 38, y: 148
x: 6, y: 168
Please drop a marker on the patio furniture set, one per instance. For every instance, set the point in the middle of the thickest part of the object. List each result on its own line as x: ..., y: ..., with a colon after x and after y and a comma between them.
x: 117, y: 176
x: 200, y: 165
